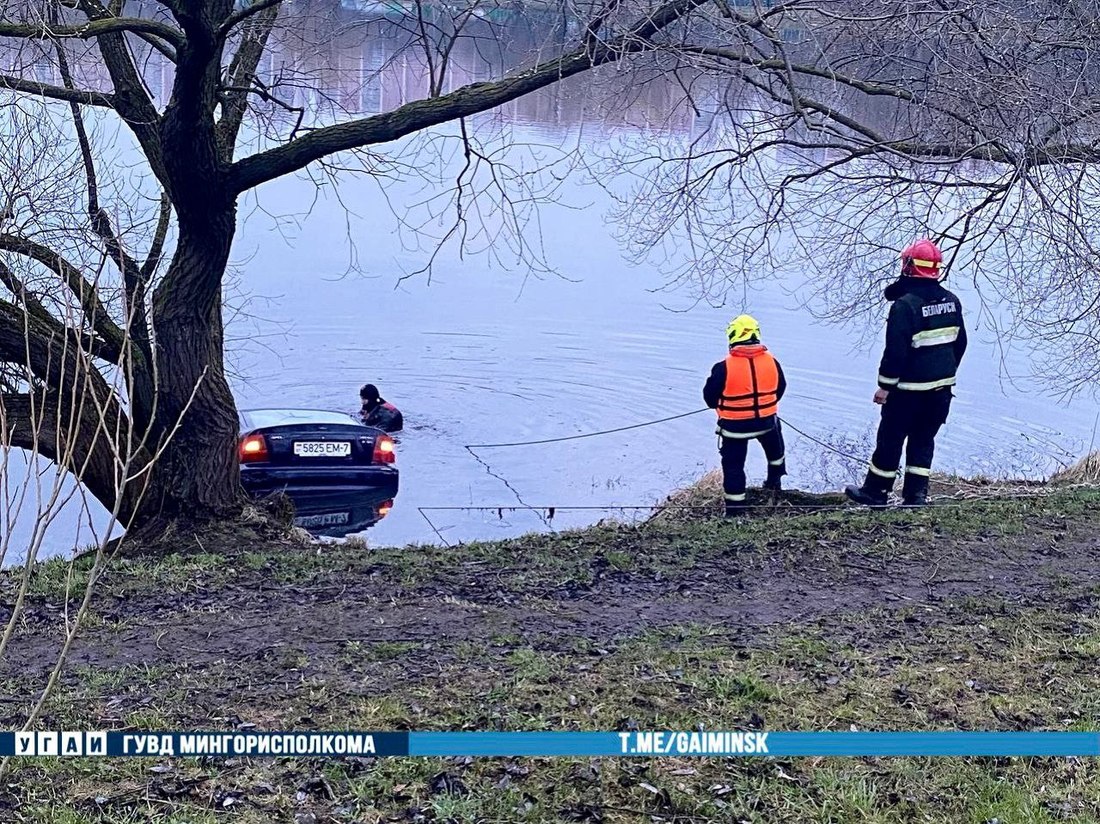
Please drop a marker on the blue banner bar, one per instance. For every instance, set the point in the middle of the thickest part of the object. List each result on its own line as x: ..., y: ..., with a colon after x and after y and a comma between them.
x: 646, y: 744
x: 737, y: 743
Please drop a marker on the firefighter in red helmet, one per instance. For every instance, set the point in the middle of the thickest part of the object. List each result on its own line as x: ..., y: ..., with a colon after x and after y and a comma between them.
x: 925, y: 341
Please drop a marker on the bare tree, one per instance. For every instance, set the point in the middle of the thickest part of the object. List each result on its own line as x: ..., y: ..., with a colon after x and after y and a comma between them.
x: 193, y: 144
x: 835, y: 130
x: 848, y: 127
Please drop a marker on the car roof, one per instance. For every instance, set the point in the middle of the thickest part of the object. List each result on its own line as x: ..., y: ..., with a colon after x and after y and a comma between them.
x: 262, y: 418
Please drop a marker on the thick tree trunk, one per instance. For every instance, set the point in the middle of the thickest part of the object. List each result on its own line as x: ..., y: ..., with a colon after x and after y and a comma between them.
x: 198, y: 476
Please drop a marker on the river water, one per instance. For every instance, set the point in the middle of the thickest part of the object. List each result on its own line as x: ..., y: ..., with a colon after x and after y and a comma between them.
x: 480, y: 353
x: 483, y: 356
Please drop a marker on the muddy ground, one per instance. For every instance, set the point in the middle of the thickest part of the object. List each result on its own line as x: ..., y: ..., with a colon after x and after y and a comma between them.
x: 285, y: 636
x: 249, y: 617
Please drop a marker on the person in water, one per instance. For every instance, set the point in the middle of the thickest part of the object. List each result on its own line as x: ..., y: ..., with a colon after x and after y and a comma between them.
x: 377, y: 411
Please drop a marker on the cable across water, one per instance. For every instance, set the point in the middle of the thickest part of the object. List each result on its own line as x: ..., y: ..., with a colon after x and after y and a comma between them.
x: 586, y: 434
x: 562, y: 438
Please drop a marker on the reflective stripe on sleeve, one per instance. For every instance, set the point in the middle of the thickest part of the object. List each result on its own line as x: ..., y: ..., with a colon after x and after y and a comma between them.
x: 923, y: 387
x: 936, y: 337
x: 884, y: 379
x: 777, y: 461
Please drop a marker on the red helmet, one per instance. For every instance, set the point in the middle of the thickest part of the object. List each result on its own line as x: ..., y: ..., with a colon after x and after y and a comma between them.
x: 921, y: 259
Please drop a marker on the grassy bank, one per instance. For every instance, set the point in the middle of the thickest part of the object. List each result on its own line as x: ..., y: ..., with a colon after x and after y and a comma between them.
x: 976, y: 614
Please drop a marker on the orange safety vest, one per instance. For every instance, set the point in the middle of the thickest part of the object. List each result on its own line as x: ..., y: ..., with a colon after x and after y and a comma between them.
x: 752, y: 386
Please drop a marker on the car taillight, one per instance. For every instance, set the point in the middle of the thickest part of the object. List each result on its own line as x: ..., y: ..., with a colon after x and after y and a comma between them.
x: 383, y: 450
x: 384, y: 508
x: 252, y: 449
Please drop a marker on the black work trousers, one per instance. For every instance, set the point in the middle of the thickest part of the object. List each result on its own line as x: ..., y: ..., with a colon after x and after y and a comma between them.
x: 734, y: 451
x: 910, y: 420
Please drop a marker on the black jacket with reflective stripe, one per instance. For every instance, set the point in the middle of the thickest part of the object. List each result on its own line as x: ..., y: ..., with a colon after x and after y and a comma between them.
x: 925, y: 336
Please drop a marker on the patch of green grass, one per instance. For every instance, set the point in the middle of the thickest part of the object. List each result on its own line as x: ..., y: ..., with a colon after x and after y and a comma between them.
x: 665, y: 547
x: 747, y: 690
x: 527, y: 663
x: 57, y: 577
x: 619, y: 560
x: 389, y: 650
x: 149, y: 718
x: 95, y: 680
x: 255, y: 560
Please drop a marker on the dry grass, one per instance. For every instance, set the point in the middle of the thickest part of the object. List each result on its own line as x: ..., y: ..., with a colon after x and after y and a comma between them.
x: 704, y: 497
x: 1085, y: 471
x: 952, y: 486
x: 705, y: 492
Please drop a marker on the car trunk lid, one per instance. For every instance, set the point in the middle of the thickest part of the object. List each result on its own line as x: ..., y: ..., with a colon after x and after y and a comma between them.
x: 319, y: 444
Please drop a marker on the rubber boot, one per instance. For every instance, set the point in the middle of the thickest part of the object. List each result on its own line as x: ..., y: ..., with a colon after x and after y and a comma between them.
x: 914, y: 490
x: 874, y: 491
x: 774, y: 482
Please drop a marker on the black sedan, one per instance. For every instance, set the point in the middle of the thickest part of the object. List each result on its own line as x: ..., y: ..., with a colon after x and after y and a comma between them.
x: 297, y: 450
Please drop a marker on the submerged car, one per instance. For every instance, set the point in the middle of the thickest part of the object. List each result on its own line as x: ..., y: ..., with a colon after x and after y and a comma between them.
x: 298, y: 450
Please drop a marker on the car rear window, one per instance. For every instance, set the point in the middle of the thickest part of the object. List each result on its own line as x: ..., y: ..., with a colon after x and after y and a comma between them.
x: 260, y: 418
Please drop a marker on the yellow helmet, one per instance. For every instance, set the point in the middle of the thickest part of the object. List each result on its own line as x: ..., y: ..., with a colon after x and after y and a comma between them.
x: 743, y: 328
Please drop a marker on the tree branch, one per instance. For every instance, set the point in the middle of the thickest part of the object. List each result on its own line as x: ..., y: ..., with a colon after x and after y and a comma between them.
x: 241, y: 73
x: 156, y: 249
x: 240, y: 16
x: 27, y: 298
x: 71, y: 427
x: 164, y: 48
x: 469, y: 100
x: 131, y: 100
x: 86, y: 98
x: 105, y: 350
x: 133, y: 280
x: 94, y: 28
x: 84, y: 291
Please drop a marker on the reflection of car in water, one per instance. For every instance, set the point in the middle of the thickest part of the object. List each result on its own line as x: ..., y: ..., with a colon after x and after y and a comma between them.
x: 339, y: 512
x: 339, y: 473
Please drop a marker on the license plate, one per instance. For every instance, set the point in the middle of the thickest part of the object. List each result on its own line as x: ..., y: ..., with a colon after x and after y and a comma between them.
x: 328, y: 519
x: 322, y: 449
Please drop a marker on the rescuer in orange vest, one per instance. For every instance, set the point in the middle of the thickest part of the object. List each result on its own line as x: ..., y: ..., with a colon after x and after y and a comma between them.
x: 744, y: 389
